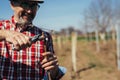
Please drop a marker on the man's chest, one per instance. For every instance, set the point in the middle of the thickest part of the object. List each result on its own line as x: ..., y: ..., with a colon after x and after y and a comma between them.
x: 26, y: 56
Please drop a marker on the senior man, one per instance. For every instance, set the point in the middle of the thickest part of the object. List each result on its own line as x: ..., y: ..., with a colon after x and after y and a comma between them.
x: 20, y: 58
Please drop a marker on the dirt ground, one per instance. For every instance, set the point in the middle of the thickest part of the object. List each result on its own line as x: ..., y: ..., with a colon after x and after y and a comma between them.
x: 91, y: 64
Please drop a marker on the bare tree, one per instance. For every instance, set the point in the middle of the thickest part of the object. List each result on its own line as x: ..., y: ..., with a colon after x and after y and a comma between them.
x: 99, y: 15
x: 115, y: 16
x: 71, y: 29
x: 87, y: 26
x: 116, y: 11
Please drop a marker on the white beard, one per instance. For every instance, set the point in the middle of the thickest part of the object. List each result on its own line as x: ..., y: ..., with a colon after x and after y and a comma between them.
x: 21, y: 22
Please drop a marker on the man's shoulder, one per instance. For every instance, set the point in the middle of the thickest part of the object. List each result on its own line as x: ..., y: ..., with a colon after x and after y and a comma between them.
x: 4, y: 21
x: 42, y: 30
x: 38, y: 28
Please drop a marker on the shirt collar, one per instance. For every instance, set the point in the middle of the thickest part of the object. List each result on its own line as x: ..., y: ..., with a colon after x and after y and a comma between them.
x: 13, y: 21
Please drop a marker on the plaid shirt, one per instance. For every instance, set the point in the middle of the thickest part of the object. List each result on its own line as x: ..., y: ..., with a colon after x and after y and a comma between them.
x: 23, y: 64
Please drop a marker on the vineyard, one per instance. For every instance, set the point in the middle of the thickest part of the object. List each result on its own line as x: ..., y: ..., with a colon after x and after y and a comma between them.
x: 90, y: 64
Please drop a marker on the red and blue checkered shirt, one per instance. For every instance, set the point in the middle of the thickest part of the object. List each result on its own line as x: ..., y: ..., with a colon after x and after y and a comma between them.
x: 23, y: 64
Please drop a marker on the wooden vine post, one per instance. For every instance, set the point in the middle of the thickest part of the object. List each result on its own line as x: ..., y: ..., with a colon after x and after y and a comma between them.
x: 118, y: 45
x: 74, y: 42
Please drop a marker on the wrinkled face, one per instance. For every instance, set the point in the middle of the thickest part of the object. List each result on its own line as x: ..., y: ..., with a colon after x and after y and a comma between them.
x: 24, y: 11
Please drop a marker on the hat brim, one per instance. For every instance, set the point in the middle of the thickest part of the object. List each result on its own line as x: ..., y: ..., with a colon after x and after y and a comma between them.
x: 39, y: 1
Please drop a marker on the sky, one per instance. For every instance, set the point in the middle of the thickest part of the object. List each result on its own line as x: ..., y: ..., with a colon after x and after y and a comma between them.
x: 54, y: 14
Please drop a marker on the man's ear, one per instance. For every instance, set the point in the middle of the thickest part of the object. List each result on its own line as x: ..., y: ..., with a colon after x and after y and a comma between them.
x: 12, y: 4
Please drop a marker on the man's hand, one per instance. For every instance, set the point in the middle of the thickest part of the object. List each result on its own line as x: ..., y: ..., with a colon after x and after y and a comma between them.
x: 50, y: 64
x: 50, y: 61
x: 19, y: 40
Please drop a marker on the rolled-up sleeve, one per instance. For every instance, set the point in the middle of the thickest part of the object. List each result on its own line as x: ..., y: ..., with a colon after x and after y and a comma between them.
x: 61, y: 73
